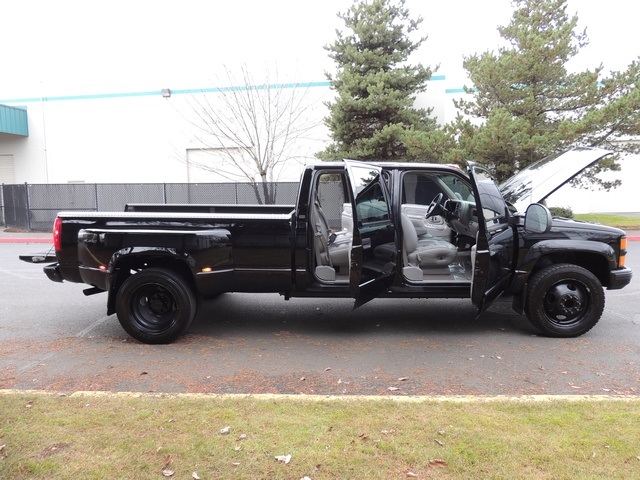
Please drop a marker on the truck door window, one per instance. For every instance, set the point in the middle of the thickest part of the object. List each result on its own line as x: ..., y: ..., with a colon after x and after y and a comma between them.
x: 362, y: 175
x: 494, y: 208
x: 462, y: 190
x: 419, y: 188
x: 372, y: 206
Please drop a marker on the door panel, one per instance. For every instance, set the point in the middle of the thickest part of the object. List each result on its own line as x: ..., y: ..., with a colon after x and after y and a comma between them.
x: 494, y: 241
x: 372, y: 226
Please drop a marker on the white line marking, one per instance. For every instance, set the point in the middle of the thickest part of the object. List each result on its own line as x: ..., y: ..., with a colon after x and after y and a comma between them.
x: 49, y: 355
x: 95, y: 324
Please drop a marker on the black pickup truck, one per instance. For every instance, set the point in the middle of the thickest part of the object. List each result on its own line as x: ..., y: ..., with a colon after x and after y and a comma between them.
x: 360, y: 230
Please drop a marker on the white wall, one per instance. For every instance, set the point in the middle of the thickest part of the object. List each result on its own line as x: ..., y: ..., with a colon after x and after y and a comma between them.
x: 28, y: 152
x: 114, y: 140
x: 128, y: 137
x: 622, y: 199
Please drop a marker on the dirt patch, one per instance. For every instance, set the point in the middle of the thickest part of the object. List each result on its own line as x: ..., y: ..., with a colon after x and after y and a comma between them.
x: 53, y: 449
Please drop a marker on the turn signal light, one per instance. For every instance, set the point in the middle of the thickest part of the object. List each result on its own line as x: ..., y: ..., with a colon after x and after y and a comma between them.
x: 623, y: 252
x: 207, y: 270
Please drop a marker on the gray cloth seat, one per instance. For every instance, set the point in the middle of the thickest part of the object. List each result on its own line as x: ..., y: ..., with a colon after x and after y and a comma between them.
x: 332, y: 249
x: 425, y: 252
x: 339, y: 248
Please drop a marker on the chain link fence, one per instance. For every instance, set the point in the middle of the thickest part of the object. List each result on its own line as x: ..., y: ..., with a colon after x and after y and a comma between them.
x: 34, y: 206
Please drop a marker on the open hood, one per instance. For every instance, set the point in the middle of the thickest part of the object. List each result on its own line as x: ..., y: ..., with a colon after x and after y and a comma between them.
x: 540, y: 179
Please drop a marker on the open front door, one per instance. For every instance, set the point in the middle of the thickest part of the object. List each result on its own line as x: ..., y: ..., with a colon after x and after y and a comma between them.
x: 372, y: 226
x: 494, y: 242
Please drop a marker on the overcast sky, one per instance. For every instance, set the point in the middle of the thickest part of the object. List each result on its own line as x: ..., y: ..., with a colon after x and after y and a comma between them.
x: 81, y: 47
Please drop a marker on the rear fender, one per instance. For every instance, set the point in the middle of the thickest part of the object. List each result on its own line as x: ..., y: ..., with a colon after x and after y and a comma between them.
x: 118, y: 253
x: 128, y: 261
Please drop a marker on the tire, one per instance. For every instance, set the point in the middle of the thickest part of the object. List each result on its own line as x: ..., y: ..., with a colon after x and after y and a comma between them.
x: 155, y: 306
x: 564, y: 300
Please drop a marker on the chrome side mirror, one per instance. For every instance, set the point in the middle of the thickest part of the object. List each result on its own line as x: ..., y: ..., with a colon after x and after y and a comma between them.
x: 537, y: 219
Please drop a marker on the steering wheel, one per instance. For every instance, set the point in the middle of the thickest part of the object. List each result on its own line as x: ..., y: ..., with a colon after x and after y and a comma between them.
x: 435, y: 207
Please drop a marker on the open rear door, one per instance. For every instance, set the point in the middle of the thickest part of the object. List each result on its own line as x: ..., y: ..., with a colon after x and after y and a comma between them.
x: 494, y: 242
x: 372, y: 226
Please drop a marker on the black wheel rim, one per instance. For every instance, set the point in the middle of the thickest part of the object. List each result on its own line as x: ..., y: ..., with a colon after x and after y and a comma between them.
x: 566, y: 303
x: 154, y: 309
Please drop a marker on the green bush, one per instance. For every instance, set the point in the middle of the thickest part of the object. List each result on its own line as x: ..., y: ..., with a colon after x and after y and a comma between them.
x: 564, y: 212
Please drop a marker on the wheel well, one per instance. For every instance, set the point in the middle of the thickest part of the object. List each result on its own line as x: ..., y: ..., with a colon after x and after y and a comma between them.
x: 128, y: 266
x: 596, y: 264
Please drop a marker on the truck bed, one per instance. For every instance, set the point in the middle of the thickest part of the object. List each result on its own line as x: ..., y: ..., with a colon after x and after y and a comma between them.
x: 206, y: 208
x: 224, y: 248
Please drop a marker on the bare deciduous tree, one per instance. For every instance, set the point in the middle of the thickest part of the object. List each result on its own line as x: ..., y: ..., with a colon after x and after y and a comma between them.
x: 252, y: 128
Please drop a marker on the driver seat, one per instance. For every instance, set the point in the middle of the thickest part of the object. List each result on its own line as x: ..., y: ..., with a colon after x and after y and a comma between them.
x: 432, y: 254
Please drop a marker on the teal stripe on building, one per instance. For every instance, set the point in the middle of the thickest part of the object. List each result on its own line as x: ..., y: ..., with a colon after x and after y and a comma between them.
x: 13, y: 120
x: 148, y: 93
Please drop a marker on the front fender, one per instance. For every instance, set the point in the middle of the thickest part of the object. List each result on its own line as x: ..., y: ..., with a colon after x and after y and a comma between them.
x: 559, y: 246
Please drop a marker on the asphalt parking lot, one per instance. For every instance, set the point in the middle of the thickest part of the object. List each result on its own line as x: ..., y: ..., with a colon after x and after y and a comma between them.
x: 52, y: 337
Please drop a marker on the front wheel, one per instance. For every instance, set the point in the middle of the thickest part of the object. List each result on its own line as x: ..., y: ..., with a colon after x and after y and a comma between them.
x: 564, y: 300
x: 155, y: 306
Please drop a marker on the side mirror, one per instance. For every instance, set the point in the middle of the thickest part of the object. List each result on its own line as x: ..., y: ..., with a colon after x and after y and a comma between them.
x: 537, y: 219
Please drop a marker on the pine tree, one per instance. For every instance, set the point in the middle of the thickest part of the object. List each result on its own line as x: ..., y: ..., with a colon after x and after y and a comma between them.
x: 374, y: 84
x: 531, y: 105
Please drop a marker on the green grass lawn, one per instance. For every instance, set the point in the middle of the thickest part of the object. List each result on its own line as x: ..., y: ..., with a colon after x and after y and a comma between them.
x: 619, y: 221
x: 46, y: 436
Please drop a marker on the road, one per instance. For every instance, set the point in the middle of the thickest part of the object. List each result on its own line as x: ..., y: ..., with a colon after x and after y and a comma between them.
x: 52, y: 337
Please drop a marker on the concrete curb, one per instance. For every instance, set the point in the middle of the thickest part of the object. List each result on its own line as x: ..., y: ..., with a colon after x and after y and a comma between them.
x: 27, y: 240
x: 338, y: 398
